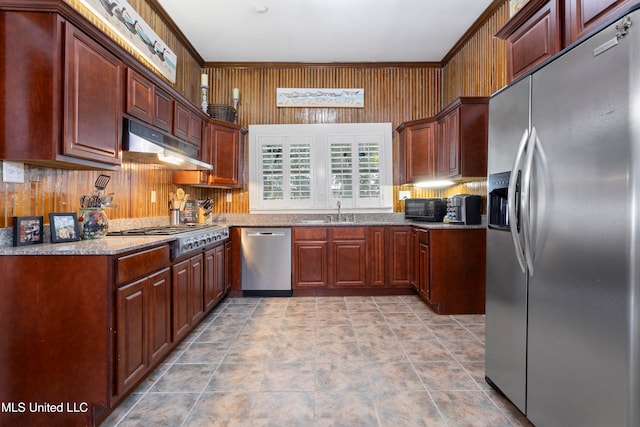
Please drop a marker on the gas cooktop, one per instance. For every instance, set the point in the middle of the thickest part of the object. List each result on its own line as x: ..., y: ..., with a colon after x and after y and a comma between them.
x: 160, y: 230
x: 188, y: 238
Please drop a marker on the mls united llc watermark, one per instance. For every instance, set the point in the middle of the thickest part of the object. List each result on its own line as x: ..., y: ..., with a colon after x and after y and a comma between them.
x: 43, y: 407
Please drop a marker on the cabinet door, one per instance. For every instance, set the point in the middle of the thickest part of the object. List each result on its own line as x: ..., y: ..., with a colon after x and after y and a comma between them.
x: 442, y: 148
x: 424, y: 284
x: 214, y: 276
x: 349, y: 263
x: 195, y: 129
x: 421, y: 156
x: 139, y: 96
x: 375, y: 256
x: 162, y: 110
x: 414, y: 271
x: 196, y: 290
x: 219, y: 284
x: 132, y: 337
x: 310, y: 264
x: 536, y: 40
x: 159, y: 314
x: 209, y: 279
x: 181, y: 283
x: 181, y: 120
x: 398, y: 255
x: 449, y: 144
x: 93, y: 99
x: 585, y: 15
x: 310, y: 257
x: 227, y: 267
x: 226, y: 155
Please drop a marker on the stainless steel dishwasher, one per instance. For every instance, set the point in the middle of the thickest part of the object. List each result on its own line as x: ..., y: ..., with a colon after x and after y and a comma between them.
x: 266, y: 261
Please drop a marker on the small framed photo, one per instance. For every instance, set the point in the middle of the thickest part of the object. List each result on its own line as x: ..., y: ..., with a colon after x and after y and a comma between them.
x: 27, y: 230
x: 64, y: 227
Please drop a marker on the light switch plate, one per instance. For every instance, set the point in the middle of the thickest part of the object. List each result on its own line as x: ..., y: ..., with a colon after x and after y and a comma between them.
x: 229, y: 196
x: 402, y: 195
x: 12, y: 171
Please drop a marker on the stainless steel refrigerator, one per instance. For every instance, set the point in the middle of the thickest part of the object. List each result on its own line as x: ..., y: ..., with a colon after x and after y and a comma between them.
x: 563, y: 243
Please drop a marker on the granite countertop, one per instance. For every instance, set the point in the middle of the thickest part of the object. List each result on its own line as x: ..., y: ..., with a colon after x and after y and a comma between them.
x: 105, y: 246
x: 113, y: 245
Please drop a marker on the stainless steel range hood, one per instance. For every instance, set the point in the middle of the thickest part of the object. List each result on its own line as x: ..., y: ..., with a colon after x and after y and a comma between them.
x: 142, y: 144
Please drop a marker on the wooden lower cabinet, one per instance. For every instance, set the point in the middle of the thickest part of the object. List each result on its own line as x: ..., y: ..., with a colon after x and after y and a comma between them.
x: 188, y: 295
x: 375, y: 256
x: 348, y: 265
x: 351, y: 260
x: 215, y: 279
x: 398, y: 255
x: 449, y: 269
x: 143, y: 327
x: 310, y: 257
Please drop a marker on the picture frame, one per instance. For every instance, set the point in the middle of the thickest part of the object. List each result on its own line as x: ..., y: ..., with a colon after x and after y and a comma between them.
x: 320, y: 97
x: 64, y: 227
x: 27, y: 230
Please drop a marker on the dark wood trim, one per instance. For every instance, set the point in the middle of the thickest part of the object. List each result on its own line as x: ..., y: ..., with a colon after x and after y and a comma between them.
x: 249, y: 65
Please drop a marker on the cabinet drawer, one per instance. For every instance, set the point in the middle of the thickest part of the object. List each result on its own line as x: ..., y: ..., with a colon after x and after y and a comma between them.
x: 313, y: 233
x: 352, y: 233
x: 423, y: 237
x: 138, y: 264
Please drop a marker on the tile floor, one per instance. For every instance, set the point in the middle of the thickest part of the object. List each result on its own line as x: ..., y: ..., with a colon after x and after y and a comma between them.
x: 334, y: 361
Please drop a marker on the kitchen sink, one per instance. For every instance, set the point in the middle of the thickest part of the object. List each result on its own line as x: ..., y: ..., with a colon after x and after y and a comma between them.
x: 324, y: 221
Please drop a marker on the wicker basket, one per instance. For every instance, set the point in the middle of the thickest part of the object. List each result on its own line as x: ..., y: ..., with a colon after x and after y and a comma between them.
x: 222, y: 112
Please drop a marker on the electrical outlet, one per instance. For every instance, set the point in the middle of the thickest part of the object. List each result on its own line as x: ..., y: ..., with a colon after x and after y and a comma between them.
x: 229, y: 197
x: 402, y: 195
x: 153, y: 196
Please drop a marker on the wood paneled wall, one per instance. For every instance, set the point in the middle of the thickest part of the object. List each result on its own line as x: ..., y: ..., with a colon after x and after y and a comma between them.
x: 392, y: 94
x: 479, y: 68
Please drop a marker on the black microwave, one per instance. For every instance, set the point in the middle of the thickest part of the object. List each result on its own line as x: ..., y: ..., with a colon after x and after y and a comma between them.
x: 430, y: 210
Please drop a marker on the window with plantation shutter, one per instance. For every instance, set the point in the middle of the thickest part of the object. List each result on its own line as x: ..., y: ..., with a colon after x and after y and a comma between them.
x: 310, y: 168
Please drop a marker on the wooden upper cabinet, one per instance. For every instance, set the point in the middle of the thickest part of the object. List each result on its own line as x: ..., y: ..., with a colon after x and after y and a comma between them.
x: 542, y: 28
x: 187, y: 123
x: 181, y: 120
x: 94, y: 87
x: 226, y: 154
x: 533, y: 35
x: 585, y: 15
x: 162, y: 110
x: 462, y: 137
x: 417, y: 150
x: 222, y: 147
x: 139, y: 96
x: 148, y: 102
x: 61, y: 102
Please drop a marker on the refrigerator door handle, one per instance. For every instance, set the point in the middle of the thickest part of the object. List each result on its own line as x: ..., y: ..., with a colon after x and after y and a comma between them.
x: 526, y: 200
x: 513, y: 206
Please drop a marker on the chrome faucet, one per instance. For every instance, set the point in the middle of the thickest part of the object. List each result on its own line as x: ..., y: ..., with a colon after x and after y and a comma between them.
x: 339, y: 214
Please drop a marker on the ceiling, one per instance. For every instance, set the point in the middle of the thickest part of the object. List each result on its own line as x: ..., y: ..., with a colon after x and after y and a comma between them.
x: 324, y: 31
